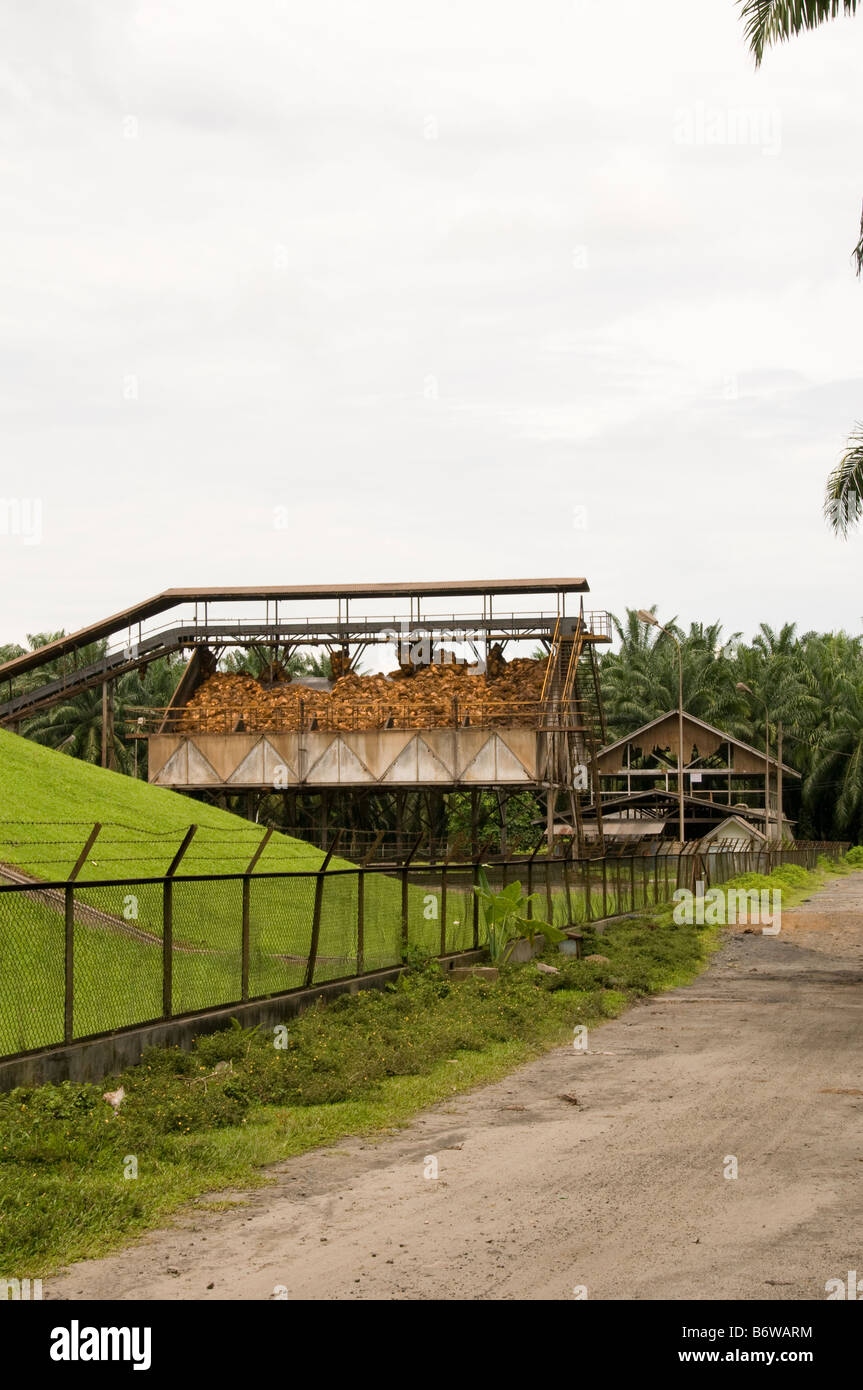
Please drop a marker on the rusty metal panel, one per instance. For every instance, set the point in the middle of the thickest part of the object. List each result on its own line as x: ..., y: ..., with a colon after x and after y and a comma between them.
x: 522, y: 743
x: 225, y: 751
x: 428, y: 757
x: 405, y: 768
x: 483, y: 766
x: 431, y: 768
x: 159, y: 749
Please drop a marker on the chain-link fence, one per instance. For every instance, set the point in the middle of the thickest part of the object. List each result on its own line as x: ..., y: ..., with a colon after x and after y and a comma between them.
x: 83, y: 958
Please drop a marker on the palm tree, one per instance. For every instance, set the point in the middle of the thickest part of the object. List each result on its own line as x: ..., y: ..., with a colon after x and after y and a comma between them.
x: 639, y: 681
x: 253, y: 661
x: 76, y: 727
x: 837, y: 770
x: 842, y: 503
x: 772, y: 21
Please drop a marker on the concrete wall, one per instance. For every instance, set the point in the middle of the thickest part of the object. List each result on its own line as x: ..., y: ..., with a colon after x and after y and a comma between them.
x: 95, y: 1058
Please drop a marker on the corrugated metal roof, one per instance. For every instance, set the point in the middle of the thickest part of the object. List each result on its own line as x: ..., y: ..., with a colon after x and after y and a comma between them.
x: 169, y: 598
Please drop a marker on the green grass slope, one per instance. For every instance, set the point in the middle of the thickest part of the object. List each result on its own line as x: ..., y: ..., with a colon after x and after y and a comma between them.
x: 48, y: 806
x: 50, y: 801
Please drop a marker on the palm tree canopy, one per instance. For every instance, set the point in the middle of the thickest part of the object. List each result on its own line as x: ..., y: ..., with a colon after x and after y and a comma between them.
x: 772, y: 21
x: 843, y: 502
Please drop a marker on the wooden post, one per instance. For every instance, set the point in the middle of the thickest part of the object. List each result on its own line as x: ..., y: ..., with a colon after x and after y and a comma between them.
x: 502, y: 807
x: 474, y: 821
x: 779, y: 782
x: 108, y: 757
x: 69, y: 947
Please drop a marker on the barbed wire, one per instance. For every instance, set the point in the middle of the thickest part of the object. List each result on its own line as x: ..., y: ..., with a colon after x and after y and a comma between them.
x: 123, y: 825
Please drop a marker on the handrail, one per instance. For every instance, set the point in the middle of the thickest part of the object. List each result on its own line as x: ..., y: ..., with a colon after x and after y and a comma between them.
x: 552, y: 657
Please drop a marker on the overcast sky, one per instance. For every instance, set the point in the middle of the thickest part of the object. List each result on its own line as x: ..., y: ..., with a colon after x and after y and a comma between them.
x: 403, y: 290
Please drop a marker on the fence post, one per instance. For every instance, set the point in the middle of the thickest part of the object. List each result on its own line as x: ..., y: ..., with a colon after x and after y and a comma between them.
x: 69, y: 950
x: 443, y: 907
x: 316, y: 915
x: 605, y: 887
x: 476, y: 867
x: 588, y: 891
x: 566, y: 858
x: 168, y: 925
x: 549, y: 906
x: 530, y: 876
x: 405, y: 871
x: 361, y: 918
x: 247, y: 892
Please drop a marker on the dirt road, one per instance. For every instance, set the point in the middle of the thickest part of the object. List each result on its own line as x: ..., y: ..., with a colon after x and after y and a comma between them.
x: 622, y: 1194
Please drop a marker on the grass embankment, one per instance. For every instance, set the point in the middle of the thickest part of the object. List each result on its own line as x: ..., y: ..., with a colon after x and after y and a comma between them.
x: 50, y: 802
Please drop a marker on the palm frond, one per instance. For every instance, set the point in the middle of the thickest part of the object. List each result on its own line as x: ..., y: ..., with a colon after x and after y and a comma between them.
x: 772, y: 21
x: 843, y: 501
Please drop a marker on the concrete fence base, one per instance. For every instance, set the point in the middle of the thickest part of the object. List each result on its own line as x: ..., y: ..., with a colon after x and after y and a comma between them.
x: 95, y: 1058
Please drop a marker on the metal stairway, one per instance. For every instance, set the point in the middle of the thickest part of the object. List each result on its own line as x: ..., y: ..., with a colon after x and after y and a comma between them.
x: 573, y: 719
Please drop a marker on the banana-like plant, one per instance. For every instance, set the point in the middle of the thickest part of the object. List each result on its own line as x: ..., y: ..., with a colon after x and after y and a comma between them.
x: 506, y: 919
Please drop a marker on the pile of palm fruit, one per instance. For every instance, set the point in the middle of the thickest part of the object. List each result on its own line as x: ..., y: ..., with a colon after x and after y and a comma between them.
x: 418, y: 697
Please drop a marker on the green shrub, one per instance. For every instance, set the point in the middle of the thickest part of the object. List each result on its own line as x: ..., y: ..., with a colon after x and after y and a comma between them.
x: 790, y: 876
x: 228, y: 1045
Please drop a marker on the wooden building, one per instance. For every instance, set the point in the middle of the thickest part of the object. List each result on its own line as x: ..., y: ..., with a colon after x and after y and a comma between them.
x: 722, y: 777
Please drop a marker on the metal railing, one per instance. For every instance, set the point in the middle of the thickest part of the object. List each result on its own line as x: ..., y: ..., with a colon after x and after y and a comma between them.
x: 85, y: 957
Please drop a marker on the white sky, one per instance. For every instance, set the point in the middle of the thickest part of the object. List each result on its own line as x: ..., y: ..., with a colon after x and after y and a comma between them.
x: 468, y: 289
